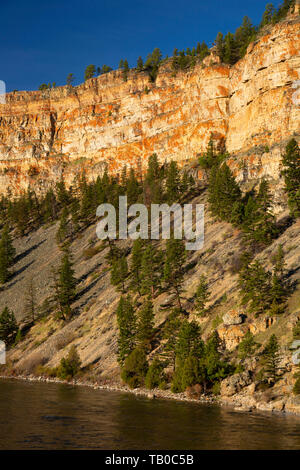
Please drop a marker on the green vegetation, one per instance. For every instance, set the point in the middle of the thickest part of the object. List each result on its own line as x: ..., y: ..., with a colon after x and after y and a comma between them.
x: 291, y: 173
x: 8, y: 327
x: 69, y: 366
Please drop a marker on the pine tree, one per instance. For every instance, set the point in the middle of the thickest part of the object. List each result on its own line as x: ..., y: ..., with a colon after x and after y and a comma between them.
x: 127, y: 324
x: 8, y: 326
x: 136, y: 265
x: 202, y: 296
x: 119, y: 273
x: 7, y: 254
x: 30, y: 306
x: 66, y: 285
x: 150, y: 270
x: 267, y: 15
x: 145, y: 325
x: 140, y: 64
x: 135, y: 368
x: 89, y: 72
x: 70, y: 79
x: 189, y: 342
x: 62, y: 231
x: 223, y: 192
x: 170, y: 334
x: 271, y: 358
x: 125, y: 70
x: 173, y: 183
x: 291, y: 173
x: 247, y: 346
x: 173, y: 268
x: 220, y: 46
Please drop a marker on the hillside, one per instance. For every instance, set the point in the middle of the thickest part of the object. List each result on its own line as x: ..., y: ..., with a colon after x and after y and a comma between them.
x: 217, y: 136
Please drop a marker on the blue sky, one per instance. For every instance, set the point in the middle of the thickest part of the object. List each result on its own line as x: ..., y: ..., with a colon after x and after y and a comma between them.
x: 43, y: 41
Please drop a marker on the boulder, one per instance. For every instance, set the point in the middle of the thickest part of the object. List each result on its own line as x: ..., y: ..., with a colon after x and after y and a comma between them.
x: 233, y: 317
x: 235, y: 384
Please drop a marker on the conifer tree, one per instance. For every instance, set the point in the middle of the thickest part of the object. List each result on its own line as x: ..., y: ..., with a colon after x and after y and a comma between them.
x: 220, y: 46
x: 127, y: 324
x: 145, y: 325
x: 173, y: 183
x: 136, y: 265
x: 89, y: 72
x: 173, y: 268
x: 65, y: 285
x: 202, y: 296
x: 7, y: 254
x: 119, y: 273
x: 271, y: 358
x: 62, y: 231
x: 30, y: 304
x: 170, y: 334
x: 8, y: 326
x: 150, y: 269
x: 247, y: 346
x: 291, y: 173
x: 140, y: 64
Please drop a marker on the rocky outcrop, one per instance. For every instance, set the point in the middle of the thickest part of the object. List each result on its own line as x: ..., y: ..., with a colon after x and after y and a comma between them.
x: 105, y: 120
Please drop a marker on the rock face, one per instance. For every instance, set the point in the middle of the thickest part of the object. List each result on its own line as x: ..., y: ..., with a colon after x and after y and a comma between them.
x: 250, y: 106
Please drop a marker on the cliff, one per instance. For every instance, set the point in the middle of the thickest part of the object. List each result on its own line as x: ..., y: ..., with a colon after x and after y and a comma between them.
x: 249, y: 106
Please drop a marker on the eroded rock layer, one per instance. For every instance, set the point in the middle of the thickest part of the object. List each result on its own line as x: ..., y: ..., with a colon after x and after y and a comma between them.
x: 253, y: 106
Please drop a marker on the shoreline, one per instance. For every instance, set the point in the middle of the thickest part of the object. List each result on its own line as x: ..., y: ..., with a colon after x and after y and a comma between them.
x: 234, y: 403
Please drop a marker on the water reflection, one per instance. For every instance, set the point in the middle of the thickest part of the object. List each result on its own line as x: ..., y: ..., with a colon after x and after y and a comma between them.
x: 49, y: 416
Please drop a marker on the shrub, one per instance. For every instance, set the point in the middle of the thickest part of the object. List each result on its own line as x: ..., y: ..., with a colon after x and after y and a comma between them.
x: 296, y: 388
x: 91, y: 251
x: 69, y: 366
x: 155, y: 376
x: 135, y: 368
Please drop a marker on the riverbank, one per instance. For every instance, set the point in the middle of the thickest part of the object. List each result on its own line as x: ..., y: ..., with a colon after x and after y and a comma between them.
x: 244, y: 402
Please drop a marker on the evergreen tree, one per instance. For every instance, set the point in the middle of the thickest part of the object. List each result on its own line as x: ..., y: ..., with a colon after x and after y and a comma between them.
x: 173, y: 268
x: 152, y: 64
x: 70, y: 79
x: 127, y: 324
x: 247, y: 346
x: 223, y: 192
x: 189, y: 342
x: 62, y: 231
x: 89, y: 72
x: 7, y: 254
x: 271, y: 358
x: 136, y: 265
x: 220, y: 46
x: 125, y: 70
x: 170, y: 334
x: 173, y: 183
x: 150, y: 269
x: 30, y: 307
x: 135, y: 368
x: 65, y: 285
x: 291, y: 173
x: 267, y: 15
x: 69, y: 366
x: 8, y: 326
x: 119, y: 273
x: 155, y: 375
x: 202, y: 296
x: 140, y: 64
x: 145, y: 325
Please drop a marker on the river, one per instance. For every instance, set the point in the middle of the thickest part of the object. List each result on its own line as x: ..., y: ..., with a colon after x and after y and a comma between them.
x: 53, y: 416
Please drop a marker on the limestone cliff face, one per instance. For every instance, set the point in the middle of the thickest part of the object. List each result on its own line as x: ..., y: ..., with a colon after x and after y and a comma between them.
x: 107, y: 120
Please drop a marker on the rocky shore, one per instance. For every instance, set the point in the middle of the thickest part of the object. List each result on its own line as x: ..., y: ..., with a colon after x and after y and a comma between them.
x: 247, y: 401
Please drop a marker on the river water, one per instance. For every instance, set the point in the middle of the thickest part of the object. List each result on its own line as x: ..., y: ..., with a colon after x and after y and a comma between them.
x: 53, y: 416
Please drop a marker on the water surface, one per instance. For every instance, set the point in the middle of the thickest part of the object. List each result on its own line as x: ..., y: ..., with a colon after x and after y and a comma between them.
x: 53, y: 416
